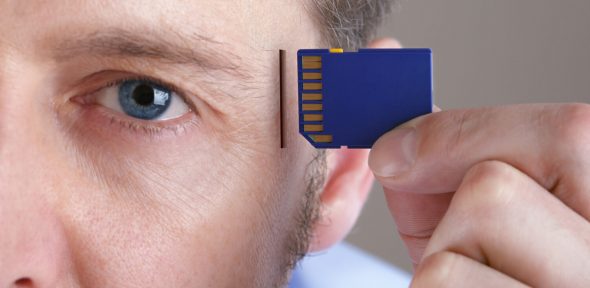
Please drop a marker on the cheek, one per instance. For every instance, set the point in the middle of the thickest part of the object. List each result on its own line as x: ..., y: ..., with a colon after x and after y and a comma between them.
x: 194, y: 211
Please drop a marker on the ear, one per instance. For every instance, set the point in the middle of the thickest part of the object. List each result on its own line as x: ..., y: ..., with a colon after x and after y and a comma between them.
x: 347, y: 187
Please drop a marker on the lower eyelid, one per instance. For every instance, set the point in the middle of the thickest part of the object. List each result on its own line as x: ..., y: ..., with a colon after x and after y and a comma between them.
x: 100, y: 120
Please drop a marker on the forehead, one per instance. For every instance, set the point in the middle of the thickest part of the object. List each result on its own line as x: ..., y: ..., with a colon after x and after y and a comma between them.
x: 258, y: 24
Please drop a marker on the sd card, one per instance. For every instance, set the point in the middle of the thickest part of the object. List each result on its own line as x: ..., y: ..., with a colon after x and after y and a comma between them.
x: 352, y: 98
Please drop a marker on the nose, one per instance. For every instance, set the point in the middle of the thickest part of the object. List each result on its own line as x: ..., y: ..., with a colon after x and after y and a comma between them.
x: 33, y: 243
x: 32, y: 247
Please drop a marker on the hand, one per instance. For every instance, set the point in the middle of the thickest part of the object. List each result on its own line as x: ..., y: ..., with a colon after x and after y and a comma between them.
x: 494, y: 197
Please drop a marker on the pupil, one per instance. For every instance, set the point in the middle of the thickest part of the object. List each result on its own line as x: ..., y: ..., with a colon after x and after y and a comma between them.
x: 143, y: 95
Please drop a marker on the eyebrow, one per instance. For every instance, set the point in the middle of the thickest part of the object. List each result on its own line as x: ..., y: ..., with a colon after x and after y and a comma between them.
x: 172, y: 47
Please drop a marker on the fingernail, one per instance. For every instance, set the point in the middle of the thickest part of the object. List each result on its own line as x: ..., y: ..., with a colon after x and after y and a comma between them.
x: 394, y: 153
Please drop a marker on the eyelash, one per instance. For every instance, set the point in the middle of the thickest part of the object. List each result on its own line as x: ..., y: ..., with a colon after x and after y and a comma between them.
x: 140, y: 78
x: 145, y: 127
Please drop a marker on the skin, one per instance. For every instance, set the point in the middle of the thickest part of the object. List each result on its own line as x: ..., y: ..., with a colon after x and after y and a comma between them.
x: 90, y: 197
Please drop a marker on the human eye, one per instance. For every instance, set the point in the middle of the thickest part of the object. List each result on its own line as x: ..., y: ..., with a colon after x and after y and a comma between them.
x: 142, y: 99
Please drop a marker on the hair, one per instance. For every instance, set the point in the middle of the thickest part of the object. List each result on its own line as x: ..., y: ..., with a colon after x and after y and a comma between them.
x: 350, y: 24
x: 308, y: 214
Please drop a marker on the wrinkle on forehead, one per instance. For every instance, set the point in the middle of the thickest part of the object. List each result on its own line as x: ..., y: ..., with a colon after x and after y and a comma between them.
x: 165, y: 46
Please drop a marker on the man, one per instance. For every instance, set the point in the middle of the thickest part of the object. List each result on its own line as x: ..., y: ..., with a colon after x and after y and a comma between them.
x: 139, y: 147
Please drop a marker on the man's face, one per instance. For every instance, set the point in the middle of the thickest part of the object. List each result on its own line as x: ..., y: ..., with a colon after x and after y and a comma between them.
x: 105, y: 185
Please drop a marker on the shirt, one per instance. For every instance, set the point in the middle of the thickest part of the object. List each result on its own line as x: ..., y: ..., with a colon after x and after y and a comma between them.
x: 346, y: 266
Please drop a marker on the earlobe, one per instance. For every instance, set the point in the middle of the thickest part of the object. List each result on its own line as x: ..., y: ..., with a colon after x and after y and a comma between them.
x: 347, y: 186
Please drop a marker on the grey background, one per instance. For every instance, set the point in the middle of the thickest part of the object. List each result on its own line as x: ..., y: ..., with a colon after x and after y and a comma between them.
x: 486, y: 53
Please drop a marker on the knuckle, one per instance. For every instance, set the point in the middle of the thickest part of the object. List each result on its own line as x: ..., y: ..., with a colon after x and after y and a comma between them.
x: 435, y: 270
x: 574, y: 127
x: 458, y: 131
x: 488, y: 187
x: 491, y: 193
x: 448, y: 126
x: 460, y: 128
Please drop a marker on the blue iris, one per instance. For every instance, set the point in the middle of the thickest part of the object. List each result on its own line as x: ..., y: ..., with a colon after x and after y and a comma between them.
x: 144, y: 99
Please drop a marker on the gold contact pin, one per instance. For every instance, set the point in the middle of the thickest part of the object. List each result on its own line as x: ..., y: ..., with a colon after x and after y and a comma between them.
x: 336, y: 50
x: 312, y: 76
x: 322, y: 138
x: 312, y: 65
x: 313, y: 128
x: 313, y: 117
x: 311, y: 59
x: 311, y: 96
x: 312, y: 86
x: 312, y: 107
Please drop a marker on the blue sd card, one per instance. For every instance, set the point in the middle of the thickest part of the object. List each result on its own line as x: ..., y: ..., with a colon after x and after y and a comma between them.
x: 352, y: 98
